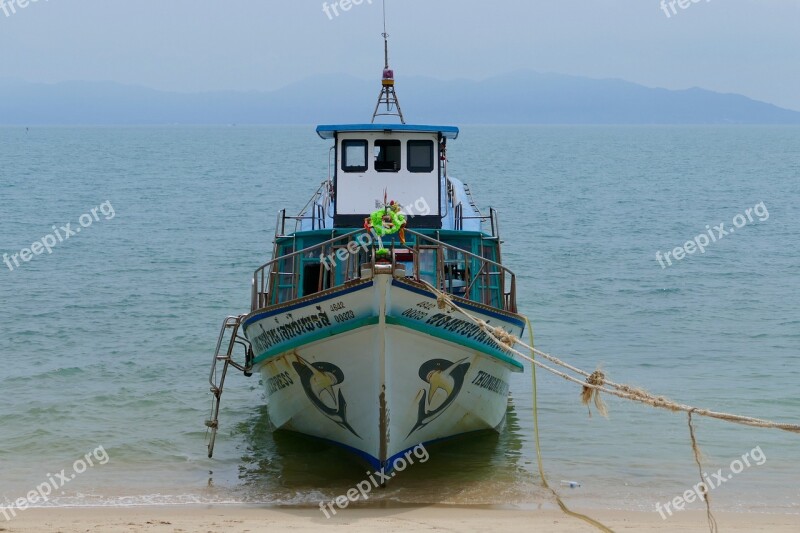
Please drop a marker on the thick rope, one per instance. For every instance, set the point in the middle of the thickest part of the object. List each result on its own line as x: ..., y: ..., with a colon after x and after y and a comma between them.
x: 712, y: 522
x: 599, y: 382
x: 546, y: 485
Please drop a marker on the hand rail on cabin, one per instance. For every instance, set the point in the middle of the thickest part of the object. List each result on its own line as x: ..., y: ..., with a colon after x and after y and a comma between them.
x: 459, y: 218
x: 280, y: 224
x: 318, y: 210
x: 495, y: 223
x: 317, y: 194
x: 330, y: 162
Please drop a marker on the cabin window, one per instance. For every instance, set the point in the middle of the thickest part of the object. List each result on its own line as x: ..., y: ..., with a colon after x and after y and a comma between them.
x: 354, y: 156
x: 420, y: 156
x: 387, y: 156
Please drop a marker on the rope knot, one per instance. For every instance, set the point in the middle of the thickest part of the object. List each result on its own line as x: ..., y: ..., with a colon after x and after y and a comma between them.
x: 505, y: 338
x: 596, y: 379
x: 441, y: 301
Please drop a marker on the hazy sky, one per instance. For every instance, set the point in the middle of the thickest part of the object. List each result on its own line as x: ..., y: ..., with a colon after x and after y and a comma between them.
x: 751, y: 47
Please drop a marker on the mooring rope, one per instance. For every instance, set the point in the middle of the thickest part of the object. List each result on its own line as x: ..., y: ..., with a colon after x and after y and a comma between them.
x: 712, y: 522
x: 597, y: 380
x: 546, y: 485
x: 595, y: 383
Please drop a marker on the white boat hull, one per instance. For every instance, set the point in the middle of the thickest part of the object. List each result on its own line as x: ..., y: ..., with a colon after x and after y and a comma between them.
x: 378, y: 368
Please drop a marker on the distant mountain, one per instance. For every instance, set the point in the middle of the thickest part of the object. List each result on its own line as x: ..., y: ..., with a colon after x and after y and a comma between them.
x: 518, y: 98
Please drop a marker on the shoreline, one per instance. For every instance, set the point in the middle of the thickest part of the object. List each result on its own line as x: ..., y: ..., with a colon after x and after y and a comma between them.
x: 254, y: 518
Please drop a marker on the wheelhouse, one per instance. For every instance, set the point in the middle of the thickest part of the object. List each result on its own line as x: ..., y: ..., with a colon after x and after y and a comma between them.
x: 405, y: 163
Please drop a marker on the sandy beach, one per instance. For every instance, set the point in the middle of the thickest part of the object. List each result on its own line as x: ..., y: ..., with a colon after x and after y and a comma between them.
x: 255, y: 519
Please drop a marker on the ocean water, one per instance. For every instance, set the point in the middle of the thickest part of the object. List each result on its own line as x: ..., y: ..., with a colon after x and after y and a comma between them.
x: 107, y: 341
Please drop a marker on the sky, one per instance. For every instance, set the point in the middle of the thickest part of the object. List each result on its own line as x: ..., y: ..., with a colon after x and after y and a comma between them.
x: 749, y: 47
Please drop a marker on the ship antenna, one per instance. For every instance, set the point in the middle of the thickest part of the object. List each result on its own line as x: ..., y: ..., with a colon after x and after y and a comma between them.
x: 385, y: 36
x: 387, y: 96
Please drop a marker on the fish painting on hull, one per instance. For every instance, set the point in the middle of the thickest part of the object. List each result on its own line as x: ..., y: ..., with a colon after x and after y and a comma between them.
x: 439, y: 374
x: 320, y: 382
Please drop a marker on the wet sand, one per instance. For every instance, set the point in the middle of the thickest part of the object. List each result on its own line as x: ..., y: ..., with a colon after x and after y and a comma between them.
x: 254, y: 519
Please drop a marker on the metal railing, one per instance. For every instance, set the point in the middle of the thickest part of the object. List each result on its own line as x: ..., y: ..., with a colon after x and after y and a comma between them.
x: 452, y: 269
x: 486, y: 270
x: 267, y: 276
x: 491, y: 218
x: 315, y: 210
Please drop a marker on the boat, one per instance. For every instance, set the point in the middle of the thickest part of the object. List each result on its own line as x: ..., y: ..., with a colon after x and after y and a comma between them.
x: 351, y: 326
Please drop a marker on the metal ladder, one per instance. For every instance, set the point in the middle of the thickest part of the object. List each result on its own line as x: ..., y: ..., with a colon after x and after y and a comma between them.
x: 232, y: 324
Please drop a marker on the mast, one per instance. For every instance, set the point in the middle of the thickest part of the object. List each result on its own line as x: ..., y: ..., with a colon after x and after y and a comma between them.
x: 387, y: 96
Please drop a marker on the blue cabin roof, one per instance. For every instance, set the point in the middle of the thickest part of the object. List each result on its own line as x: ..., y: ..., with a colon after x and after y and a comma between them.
x: 328, y: 131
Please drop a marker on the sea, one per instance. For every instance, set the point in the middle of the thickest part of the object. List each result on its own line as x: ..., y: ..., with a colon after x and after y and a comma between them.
x: 107, y: 334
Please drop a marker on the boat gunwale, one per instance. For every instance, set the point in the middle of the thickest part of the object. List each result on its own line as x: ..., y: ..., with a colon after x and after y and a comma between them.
x: 290, y: 305
x: 407, y: 284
